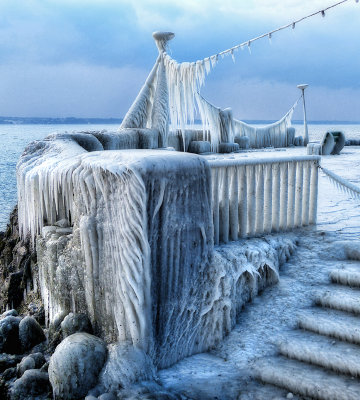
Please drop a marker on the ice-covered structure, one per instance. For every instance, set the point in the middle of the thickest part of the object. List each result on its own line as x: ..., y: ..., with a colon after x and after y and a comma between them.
x: 125, y: 231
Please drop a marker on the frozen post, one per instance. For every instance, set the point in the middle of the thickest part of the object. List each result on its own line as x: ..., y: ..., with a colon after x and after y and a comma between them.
x: 306, y: 133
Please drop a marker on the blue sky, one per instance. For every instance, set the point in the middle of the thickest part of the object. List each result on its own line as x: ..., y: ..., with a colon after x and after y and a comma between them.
x: 89, y: 58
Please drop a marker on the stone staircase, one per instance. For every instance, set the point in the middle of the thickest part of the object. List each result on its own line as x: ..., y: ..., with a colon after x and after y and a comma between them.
x: 321, y: 358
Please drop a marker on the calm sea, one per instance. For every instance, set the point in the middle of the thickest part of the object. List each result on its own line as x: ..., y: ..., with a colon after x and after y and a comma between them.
x: 14, y: 138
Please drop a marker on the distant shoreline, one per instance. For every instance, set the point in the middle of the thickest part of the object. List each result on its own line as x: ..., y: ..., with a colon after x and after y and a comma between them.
x: 110, y: 121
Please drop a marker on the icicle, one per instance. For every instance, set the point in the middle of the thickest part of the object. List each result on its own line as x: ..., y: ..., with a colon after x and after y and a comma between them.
x: 270, y: 36
x: 213, y: 60
x: 248, y: 46
x: 207, y: 64
x: 232, y: 55
x: 323, y: 13
x: 293, y: 25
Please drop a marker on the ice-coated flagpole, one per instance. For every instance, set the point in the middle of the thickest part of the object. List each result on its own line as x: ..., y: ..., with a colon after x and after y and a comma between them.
x: 302, y: 87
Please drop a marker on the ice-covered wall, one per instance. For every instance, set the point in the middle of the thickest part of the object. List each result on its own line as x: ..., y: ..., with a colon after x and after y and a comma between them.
x: 136, y: 253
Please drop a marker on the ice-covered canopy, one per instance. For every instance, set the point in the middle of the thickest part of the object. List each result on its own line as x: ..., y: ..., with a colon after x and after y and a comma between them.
x: 171, y: 96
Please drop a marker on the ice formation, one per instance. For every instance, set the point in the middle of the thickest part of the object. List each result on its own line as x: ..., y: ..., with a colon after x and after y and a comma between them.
x: 171, y: 95
x: 138, y: 255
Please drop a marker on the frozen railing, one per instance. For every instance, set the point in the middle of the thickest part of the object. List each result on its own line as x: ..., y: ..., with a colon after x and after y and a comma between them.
x: 259, y: 196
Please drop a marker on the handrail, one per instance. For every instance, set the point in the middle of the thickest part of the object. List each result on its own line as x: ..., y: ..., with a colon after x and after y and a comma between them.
x: 259, y: 196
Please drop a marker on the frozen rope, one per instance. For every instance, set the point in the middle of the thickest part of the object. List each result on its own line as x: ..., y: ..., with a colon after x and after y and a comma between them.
x: 342, y: 183
x: 210, y: 62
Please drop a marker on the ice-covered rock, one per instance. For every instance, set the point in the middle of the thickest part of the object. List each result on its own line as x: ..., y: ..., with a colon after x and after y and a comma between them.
x: 8, y: 313
x: 30, y: 333
x: 8, y: 361
x: 73, y: 323
x: 125, y: 365
x: 30, y: 386
x: 9, y: 335
x: 25, y: 364
x: 75, y: 365
x: 32, y: 361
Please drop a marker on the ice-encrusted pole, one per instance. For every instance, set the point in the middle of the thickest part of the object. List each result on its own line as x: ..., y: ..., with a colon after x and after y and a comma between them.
x: 160, y: 111
x: 151, y: 106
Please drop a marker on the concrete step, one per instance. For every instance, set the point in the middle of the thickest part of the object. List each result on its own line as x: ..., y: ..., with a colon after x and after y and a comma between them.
x: 340, y: 357
x: 306, y: 380
x: 339, y: 298
x: 347, y: 276
x: 333, y: 323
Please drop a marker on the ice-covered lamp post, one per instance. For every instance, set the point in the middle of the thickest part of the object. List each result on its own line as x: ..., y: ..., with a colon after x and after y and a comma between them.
x: 302, y: 87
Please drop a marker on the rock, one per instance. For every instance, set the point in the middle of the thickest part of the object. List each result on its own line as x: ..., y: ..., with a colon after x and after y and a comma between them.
x: 32, y: 383
x: 9, y: 373
x: 126, y: 364
x: 75, y: 365
x: 25, y: 364
x: 12, y: 312
x: 107, y: 396
x: 8, y: 361
x: 91, y: 398
x: 45, y: 367
x: 38, y: 358
x: 289, y: 396
x: 30, y: 333
x: 73, y: 323
x: 9, y: 335
x: 13, y: 289
x: 55, y: 333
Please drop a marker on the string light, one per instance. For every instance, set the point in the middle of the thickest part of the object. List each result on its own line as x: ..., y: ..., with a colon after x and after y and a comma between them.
x: 292, y: 25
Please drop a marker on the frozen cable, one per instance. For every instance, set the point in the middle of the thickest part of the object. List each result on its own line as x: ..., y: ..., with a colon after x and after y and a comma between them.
x: 342, y: 183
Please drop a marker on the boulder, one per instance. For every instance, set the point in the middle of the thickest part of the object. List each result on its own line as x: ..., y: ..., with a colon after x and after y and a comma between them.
x: 32, y: 383
x: 125, y: 365
x: 9, y: 335
x: 32, y: 361
x: 107, y: 396
x: 30, y: 333
x: 25, y: 364
x: 75, y: 365
x: 8, y: 361
x: 8, y: 313
x: 73, y: 323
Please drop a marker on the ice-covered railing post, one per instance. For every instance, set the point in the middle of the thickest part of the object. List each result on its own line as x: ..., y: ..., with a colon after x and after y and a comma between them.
x: 151, y: 107
x: 254, y: 197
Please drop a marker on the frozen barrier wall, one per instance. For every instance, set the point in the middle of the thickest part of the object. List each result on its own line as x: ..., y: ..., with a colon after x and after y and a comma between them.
x: 138, y: 257
x: 255, y: 197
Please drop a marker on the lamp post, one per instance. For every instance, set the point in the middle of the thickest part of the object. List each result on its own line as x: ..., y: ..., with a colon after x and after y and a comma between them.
x: 302, y: 87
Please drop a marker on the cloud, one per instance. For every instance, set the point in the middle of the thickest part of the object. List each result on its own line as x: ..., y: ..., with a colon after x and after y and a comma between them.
x: 68, y: 90
x: 53, y: 52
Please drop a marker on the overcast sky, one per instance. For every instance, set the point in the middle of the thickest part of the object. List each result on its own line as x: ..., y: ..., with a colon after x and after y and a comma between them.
x: 89, y: 58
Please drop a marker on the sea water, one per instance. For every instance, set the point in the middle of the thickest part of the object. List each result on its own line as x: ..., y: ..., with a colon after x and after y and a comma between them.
x: 14, y: 139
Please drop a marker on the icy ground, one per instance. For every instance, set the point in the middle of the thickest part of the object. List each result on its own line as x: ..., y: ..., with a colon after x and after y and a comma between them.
x: 226, y: 372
